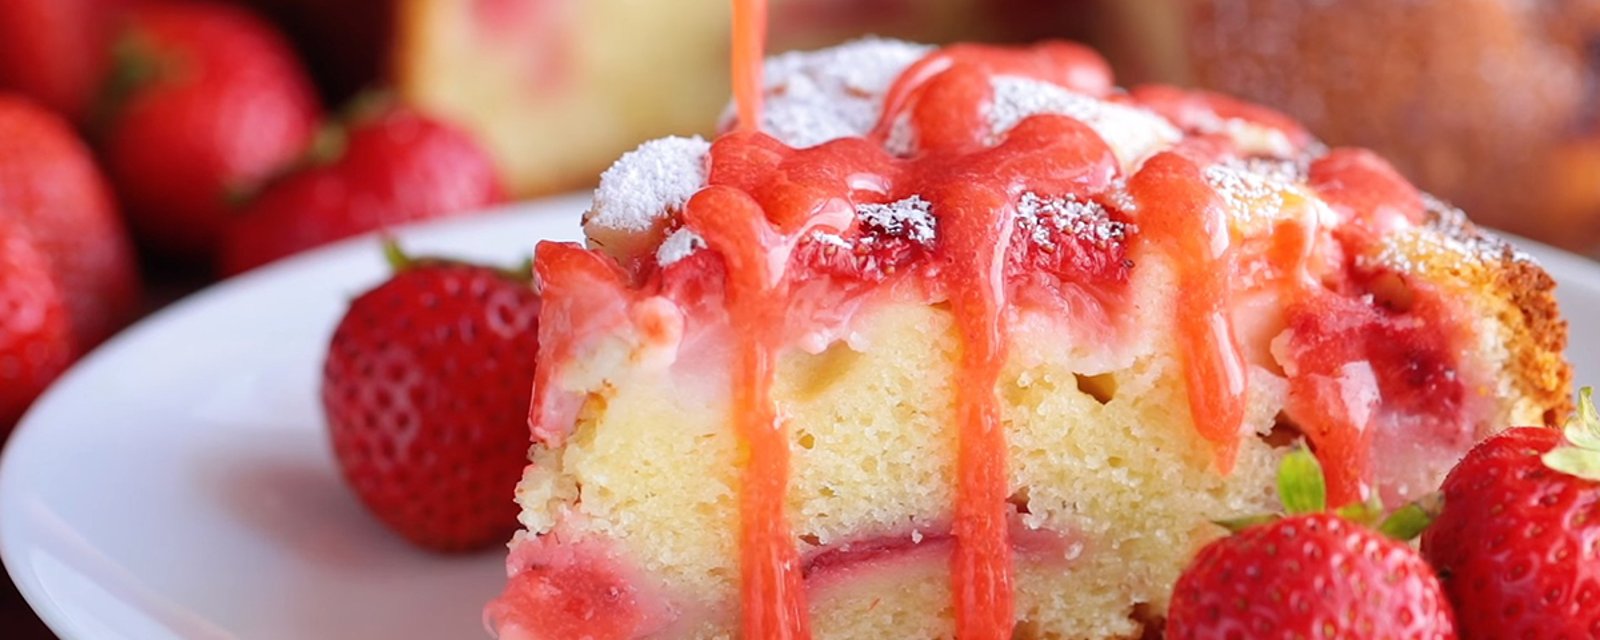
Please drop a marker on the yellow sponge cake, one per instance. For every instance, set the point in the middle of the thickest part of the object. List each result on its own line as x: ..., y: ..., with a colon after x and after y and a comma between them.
x: 966, y: 341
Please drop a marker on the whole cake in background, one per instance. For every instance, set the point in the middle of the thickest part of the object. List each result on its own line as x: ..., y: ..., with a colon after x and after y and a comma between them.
x: 1487, y: 103
x: 559, y: 89
x: 967, y: 341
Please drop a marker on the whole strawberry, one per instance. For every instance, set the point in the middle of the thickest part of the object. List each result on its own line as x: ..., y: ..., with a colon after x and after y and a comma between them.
x: 1311, y: 575
x: 35, y: 341
x: 207, y: 101
x: 391, y: 166
x: 1518, y: 542
x: 426, y: 390
x: 55, y: 51
x: 51, y: 189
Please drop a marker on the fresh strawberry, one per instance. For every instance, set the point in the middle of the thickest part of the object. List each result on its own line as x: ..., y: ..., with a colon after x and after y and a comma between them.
x: 426, y: 390
x: 55, y: 51
x: 35, y: 341
x: 389, y: 168
x: 50, y: 187
x: 1311, y: 575
x: 1518, y: 543
x: 207, y: 101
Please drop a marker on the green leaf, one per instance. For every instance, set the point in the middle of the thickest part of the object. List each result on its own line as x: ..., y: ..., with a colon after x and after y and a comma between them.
x: 1409, y: 521
x: 397, y: 257
x: 1583, y: 429
x: 1366, y: 514
x: 1583, y: 463
x: 1300, y: 483
x: 1236, y: 525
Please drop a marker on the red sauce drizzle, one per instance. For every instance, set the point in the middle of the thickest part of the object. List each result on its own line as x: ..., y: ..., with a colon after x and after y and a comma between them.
x: 1180, y: 210
x: 749, y: 44
x: 1333, y: 331
x: 764, y: 196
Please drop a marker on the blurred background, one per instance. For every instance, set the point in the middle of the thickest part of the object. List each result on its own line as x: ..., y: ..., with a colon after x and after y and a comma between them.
x: 150, y: 147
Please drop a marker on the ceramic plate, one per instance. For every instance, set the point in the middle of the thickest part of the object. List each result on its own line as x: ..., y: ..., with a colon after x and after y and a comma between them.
x: 177, y: 483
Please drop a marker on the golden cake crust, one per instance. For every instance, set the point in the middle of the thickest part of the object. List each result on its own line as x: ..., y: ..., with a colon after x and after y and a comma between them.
x: 1521, y: 296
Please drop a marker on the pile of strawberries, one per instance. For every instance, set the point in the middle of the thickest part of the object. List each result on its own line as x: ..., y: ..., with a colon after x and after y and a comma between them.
x: 193, y: 125
x: 1513, y: 552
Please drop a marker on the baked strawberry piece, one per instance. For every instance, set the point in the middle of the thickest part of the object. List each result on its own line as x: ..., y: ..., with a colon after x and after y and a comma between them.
x: 967, y: 342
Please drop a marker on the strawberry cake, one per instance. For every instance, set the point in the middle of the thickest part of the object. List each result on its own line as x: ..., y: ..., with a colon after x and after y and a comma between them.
x: 967, y: 342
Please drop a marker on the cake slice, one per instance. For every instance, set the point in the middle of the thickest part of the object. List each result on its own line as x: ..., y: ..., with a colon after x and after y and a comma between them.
x: 968, y: 342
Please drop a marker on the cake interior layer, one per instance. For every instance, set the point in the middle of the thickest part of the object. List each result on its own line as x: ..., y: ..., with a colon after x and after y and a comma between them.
x: 1112, y: 487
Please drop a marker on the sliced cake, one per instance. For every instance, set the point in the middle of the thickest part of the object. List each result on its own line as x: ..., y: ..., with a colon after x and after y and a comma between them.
x: 968, y: 342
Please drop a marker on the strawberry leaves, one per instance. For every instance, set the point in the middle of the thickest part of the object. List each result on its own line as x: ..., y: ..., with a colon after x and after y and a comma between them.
x: 1301, y: 486
x: 1580, y: 456
x: 1303, y: 489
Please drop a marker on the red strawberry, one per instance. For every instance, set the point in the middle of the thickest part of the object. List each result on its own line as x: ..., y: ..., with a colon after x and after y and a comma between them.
x: 1518, y: 543
x: 35, y: 341
x: 55, y: 51
x: 50, y: 187
x: 426, y: 390
x: 211, y: 102
x: 396, y: 166
x: 1312, y: 575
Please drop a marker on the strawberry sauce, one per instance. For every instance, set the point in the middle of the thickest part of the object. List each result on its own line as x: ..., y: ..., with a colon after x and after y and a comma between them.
x: 1185, y: 215
x: 764, y: 204
x: 762, y: 198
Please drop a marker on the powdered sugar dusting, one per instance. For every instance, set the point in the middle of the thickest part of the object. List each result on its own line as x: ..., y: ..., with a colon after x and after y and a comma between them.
x: 679, y: 244
x: 829, y: 239
x: 1117, y: 194
x: 1250, y: 196
x: 1248, y: 137
x: 817, y: 96
x: 1419, y: 251
x: 911, y: 218
x: 1132, y: 133
x: 1083, y: 219
x: 646, y: 184
x: 1447, y: 241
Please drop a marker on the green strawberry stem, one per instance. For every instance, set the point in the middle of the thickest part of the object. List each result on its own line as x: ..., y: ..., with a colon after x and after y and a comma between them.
x: 1408, y: 522
x: 326, y: 146
x: 1300, y: 483
x: 400, y: 261
x: 1236, y: 525
x: 396, y: 257
x: 1302, y: 490
x: 1366, y: 514
x: 1580, y: 456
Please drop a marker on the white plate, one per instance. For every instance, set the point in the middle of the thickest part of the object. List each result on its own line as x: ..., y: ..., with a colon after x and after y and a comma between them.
x: 177, y: 484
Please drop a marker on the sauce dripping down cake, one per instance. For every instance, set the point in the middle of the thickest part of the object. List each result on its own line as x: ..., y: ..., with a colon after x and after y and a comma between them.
x: 967, y: 342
